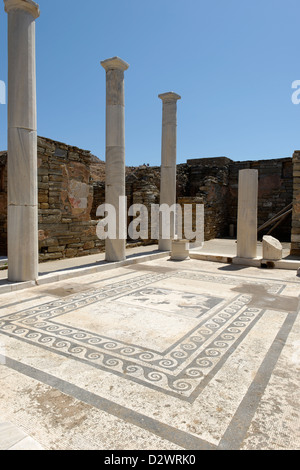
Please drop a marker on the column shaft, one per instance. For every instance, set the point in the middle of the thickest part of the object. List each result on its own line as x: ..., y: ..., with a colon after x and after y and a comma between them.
x: 22, y: 221
x: 115, y: 153
x: 247, y: 214
x: 168, y: 163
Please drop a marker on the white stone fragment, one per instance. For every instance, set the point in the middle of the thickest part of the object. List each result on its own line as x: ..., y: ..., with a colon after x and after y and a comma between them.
x: 272, y: 248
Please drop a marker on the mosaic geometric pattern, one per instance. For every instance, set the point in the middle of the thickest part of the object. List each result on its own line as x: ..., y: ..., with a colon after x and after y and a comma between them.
x: 271, y: 287
x: 182, y: 370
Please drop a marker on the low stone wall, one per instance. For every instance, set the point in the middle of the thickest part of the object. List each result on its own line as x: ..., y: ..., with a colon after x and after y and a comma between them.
x: 295, y: 237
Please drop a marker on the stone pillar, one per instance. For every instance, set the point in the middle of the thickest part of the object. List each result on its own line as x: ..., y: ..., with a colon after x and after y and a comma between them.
x: 168, y: 162
x: 295, y: 238
x: 22, y: 220
x: 115, y: 153
x: 247, y: 214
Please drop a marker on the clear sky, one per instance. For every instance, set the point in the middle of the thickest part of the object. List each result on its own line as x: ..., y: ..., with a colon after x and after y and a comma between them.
x: 233, y: 63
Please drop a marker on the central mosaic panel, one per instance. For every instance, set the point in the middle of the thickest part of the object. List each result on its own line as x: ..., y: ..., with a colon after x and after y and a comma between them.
x: 203, y: 330
x: 182, y: 303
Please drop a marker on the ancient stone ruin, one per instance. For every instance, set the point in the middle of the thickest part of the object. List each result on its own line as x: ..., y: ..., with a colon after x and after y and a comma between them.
x: 71, y: 185
x: 50, y: 191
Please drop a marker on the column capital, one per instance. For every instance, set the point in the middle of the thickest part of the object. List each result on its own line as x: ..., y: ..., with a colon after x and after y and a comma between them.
x: 169, y: 96
x: 114, y: 63
x: 26, y: 5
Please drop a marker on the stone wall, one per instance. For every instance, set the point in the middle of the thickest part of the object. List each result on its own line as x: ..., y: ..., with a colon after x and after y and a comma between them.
x: 71, y: 185
x: 99, y: 197
x: 65, y: 191
x: 143, y: 187
x: 275, y: 192
x: 209, y: 181
x: 192, y: 202
x: 295, y: 237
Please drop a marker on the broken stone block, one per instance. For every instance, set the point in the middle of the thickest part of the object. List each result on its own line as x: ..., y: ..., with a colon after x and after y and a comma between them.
x: 272, y: 248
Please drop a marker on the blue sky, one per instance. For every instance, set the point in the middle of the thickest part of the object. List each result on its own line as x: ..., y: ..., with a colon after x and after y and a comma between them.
x: 233, y: 63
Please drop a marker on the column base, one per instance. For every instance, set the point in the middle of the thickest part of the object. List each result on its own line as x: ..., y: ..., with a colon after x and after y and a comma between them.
x: 22, y: 236
x: 165, y: 245
x: 180, y: 250
x: 115, y: 250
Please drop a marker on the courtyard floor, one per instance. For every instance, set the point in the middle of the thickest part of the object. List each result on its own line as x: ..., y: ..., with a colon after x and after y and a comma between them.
x: 153, y: 355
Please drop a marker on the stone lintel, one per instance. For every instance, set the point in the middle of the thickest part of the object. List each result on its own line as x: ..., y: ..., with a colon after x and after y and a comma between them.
x: 26, y: 5
x: 169, y: 96
x: 115, y: 63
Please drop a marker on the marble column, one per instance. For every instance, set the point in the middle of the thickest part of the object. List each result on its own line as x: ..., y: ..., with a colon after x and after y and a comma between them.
x: 247, y: 214
x: 22, y: 221
x: 115, y: 154
x: 168, y: 162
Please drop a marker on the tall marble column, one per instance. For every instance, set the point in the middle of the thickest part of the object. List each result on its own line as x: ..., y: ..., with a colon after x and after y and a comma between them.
x: 168, y: 163
x: 247, y: 214
x: 115, y: 153
x: 22, y: 222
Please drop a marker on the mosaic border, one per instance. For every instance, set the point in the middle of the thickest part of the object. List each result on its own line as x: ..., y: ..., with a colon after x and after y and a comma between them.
x: 182, y: 371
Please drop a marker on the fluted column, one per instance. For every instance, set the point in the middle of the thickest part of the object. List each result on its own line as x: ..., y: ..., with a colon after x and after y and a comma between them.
x: 22, y: 223
x: 168, y: 162
x: 247, y: 214
x: 115, y: 153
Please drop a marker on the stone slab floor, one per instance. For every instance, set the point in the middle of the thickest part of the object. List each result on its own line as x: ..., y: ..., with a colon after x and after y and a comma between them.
x: 160, y: 355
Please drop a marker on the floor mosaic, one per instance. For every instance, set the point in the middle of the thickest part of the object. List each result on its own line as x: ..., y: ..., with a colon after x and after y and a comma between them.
x: 179, y: 370
x: 185, y: 354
